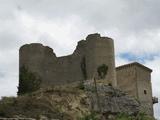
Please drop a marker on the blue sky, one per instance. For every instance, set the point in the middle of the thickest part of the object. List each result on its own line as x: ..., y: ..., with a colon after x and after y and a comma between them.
x: 138, y: 58
x: 134, y: 26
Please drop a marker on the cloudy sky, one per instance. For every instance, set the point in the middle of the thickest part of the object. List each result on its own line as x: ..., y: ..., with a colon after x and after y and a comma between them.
x: 133, y: 24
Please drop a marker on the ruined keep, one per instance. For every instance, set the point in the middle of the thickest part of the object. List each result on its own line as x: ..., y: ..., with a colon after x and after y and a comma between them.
x: 82, y: 65
x: 93, y: 59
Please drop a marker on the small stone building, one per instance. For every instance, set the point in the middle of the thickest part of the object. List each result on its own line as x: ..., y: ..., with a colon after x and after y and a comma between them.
x: 93, y: 58
x: 135, y: 79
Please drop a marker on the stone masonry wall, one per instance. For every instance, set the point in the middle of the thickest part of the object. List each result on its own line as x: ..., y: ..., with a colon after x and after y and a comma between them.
x: 144, y: 89
x: 135, y: 79
x: 126, y: 80
x: 100, y: 50
x: 81, y: 65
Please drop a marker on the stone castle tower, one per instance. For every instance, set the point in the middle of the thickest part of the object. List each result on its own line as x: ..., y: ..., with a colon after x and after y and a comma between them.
x: 94, y: 52
x: 93, y: 58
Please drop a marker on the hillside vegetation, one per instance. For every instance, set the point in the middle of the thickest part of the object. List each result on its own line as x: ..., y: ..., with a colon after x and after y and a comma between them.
x: 72, y: 102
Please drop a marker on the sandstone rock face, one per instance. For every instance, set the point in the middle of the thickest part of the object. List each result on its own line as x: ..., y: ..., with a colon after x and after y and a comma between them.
x: 106, y: 99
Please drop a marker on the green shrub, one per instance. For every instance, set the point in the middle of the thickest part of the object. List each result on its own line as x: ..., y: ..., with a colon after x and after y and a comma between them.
x: 123, y: 116
x: 102, y: 71
x: 5, y: 104
x: 91, y: 116
x: 139, y: 116
x: 28, y: 82
x: 143, y: 116
x: 81, y: 86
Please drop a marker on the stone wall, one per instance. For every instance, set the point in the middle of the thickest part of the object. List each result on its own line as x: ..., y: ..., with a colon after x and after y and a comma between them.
x: 135, y: 79
x: 144, y: 89
x: 99, y: 51
x: 39, y: 60
x: 81, y: 65
x: 126, y: 79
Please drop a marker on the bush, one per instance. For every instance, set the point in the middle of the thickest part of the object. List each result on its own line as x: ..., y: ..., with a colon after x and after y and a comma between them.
x: 91, y: 116
x: 5, y: 104
x: 123, y: 116
x: 28, y: 82
x: 143, y: 116
x: 139, y: 116
x: 81, y: 86
x: 102, y: 71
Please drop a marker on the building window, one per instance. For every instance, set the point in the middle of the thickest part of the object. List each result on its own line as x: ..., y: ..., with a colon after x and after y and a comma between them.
x: 145, y: 92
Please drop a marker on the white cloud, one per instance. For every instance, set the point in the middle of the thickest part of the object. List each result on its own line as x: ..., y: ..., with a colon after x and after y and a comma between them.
x: 9, y: 69
x: 55, y: 32
x: 134, y: 25
x: 155, y: 65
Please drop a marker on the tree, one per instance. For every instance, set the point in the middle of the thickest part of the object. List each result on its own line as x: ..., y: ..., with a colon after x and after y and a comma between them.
x: 102, y: 71
x: 28, y: 82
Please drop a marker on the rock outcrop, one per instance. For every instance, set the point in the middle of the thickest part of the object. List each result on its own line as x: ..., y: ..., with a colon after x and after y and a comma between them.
x: 108, y: 100
x: 70, y: 102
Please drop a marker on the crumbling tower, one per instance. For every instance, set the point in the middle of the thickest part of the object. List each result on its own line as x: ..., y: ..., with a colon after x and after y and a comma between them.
x: 100, y: 54
x: 93, y: 58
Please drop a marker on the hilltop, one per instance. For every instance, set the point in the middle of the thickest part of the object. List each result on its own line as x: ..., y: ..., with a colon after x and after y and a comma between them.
x: 73, y: 102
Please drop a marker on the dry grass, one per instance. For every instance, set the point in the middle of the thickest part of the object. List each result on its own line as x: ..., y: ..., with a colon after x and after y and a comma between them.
x: 55, y: 102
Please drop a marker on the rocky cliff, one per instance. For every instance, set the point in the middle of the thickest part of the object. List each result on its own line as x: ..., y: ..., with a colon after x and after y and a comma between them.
x: 88, y: 101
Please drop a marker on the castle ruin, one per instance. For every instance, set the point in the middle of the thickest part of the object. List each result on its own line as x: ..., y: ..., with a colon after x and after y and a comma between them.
x: 93, y: 58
